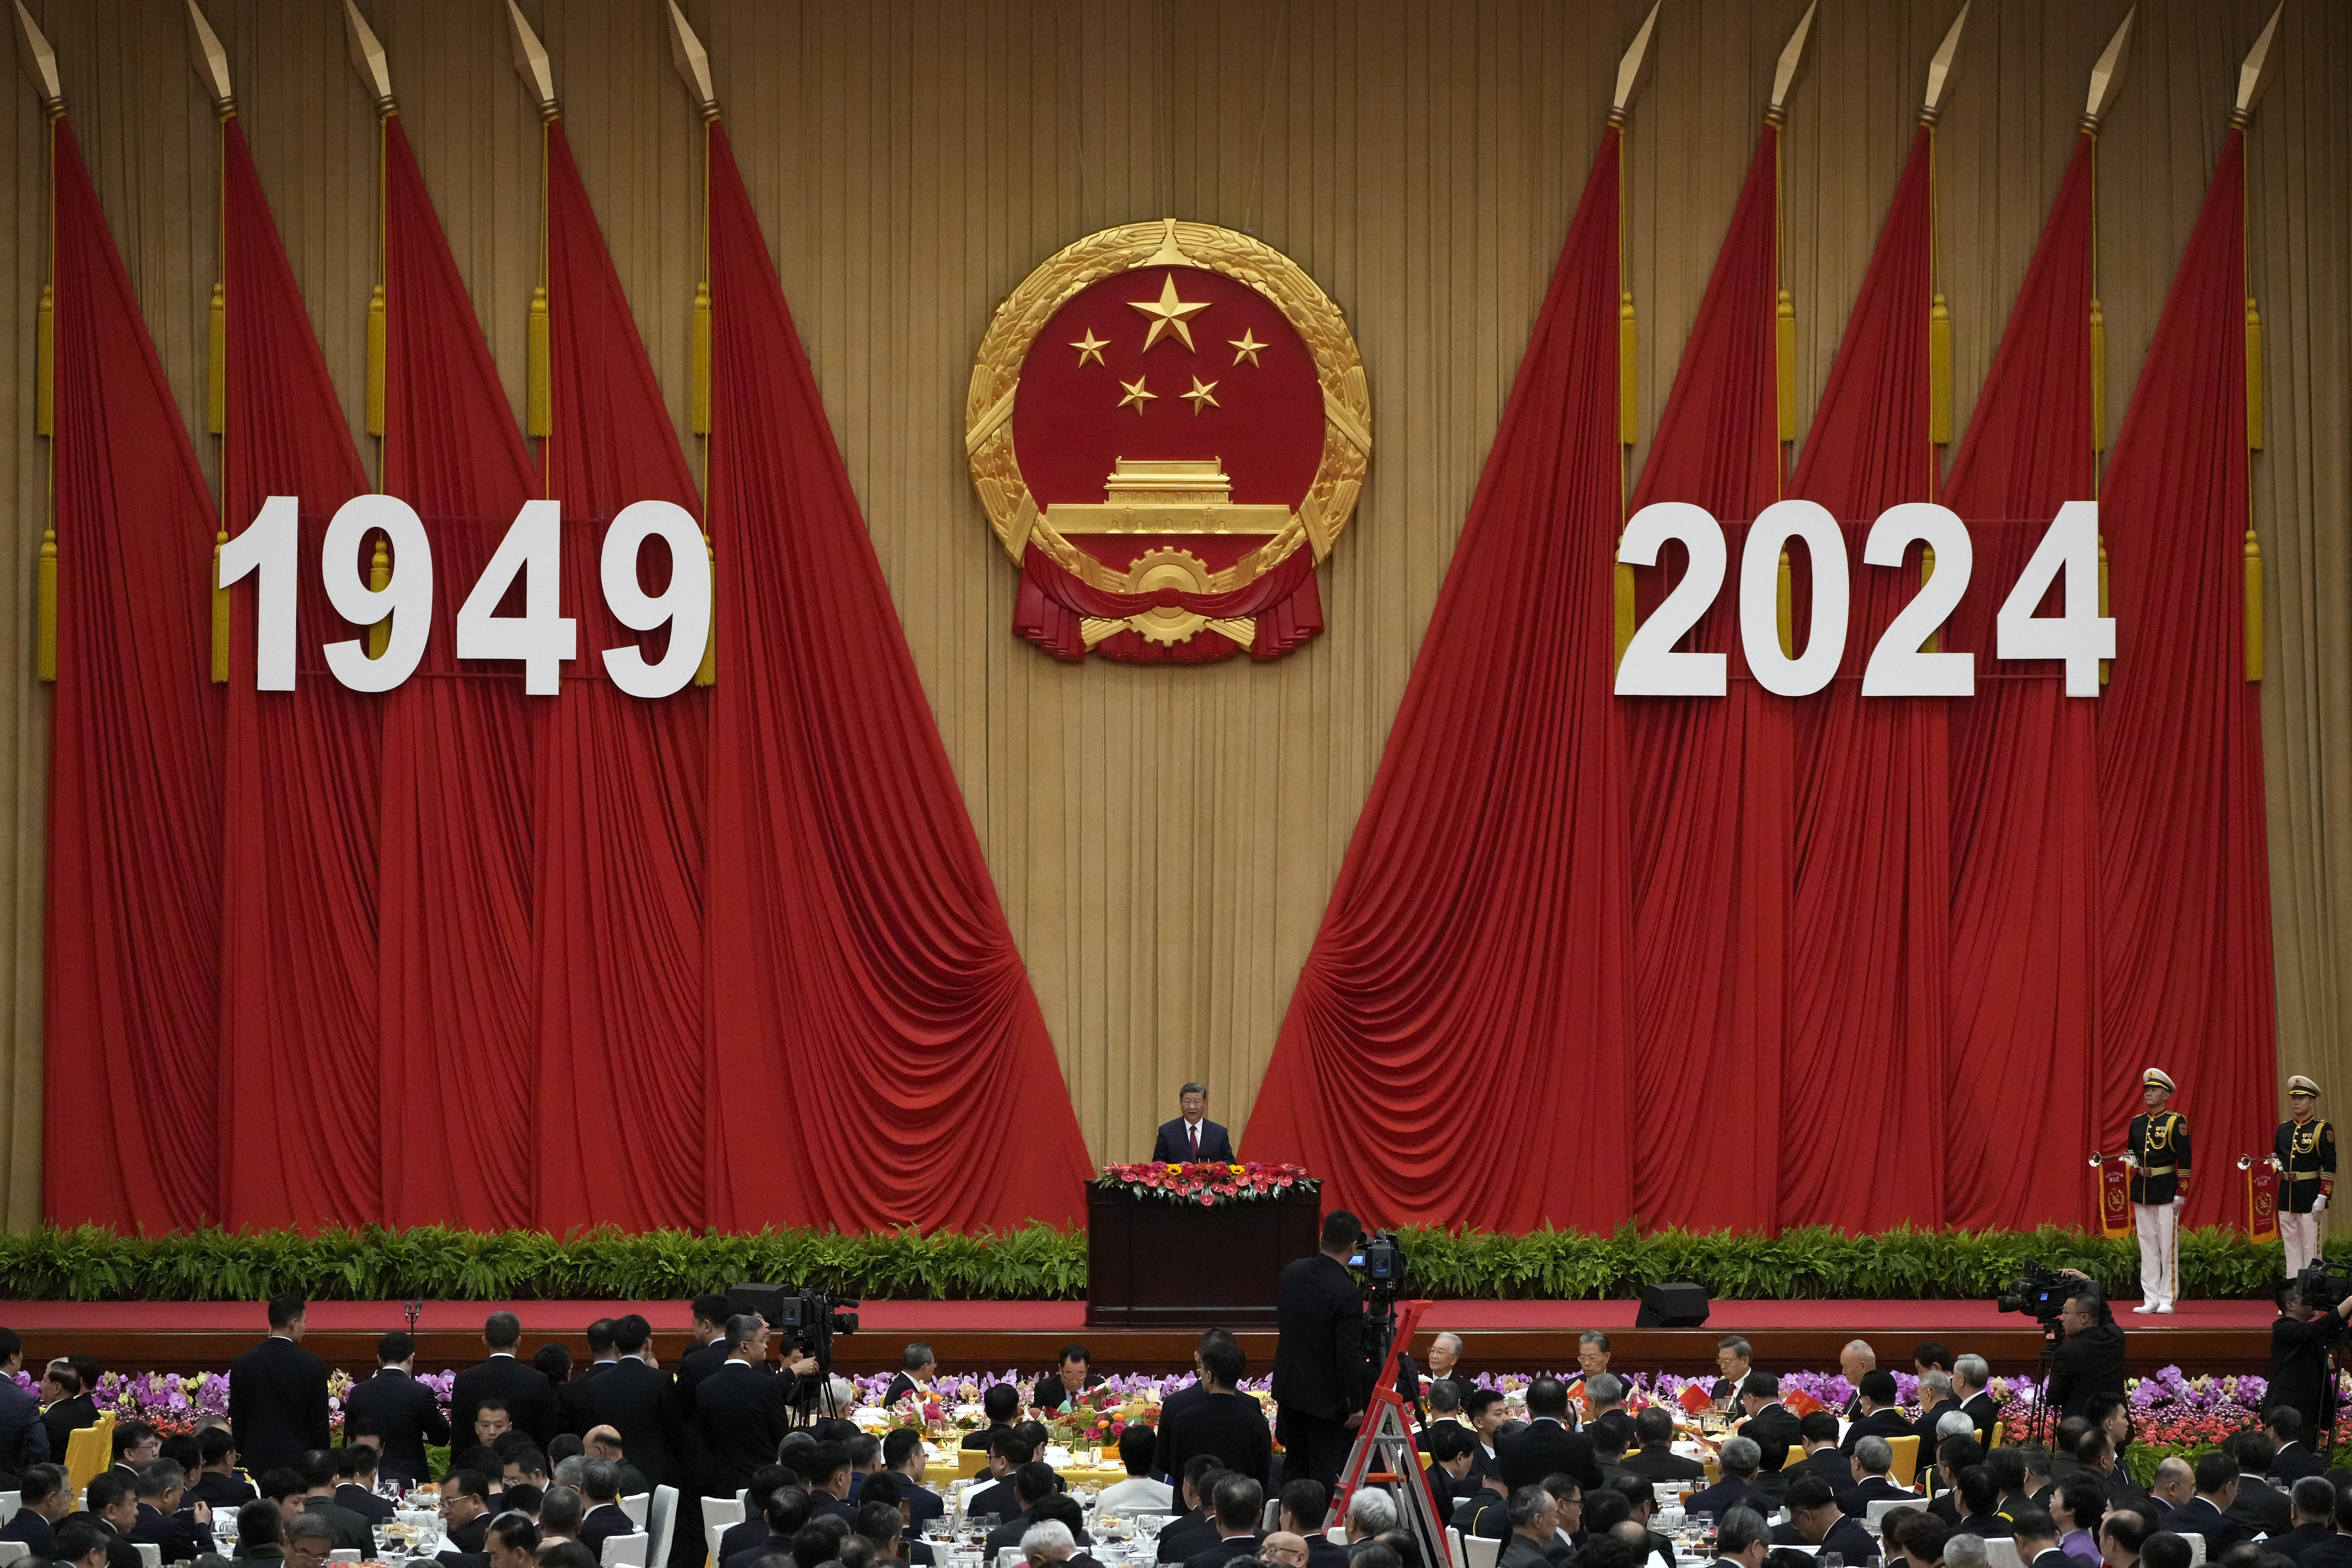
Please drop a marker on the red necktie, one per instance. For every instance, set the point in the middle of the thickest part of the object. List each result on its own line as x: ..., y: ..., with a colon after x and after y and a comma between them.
x: 1196, y: 1140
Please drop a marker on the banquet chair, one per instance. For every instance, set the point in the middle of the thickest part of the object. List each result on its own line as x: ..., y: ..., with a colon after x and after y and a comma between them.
x: 723, y: 1510
x: 661, y: 1522
x: 1881, y: 1507
x: 626, y: 1549
x: 9, y: 1503
x: 2196, y: 1548
x: 1482, y: 1551
x: 89, y: 1450
x: 13, y: 1552
x: 1453, y: 1548
x: 150, y: 1554
x: 2000, y: 1433
x: 634, y: 1505
x: 712, y: 1534
x: 1906, y: 1455
x: 2000, y: 1552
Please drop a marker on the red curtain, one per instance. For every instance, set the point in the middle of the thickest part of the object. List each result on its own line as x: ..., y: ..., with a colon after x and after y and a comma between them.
x: 2184, y: 873
x: 297, y: 953
x: 1869, y: 944
x: 131, y: 998
x: 618, y: 923
x: 877, y: 1054
x: 1470, y: 971
x: 2025, y: 786
x: 459, y: 1063
x: 1709, y: 798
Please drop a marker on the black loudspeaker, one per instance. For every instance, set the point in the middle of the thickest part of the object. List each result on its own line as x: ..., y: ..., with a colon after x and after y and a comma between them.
x: 1676, y: 1304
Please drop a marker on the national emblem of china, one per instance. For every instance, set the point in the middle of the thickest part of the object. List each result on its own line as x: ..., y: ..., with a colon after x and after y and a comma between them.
x: 1168, y: 427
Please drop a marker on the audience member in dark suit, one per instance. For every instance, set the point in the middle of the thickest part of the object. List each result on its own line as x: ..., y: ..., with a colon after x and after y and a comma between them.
x: 24, y: 1436
x: 1197, y: 1526
x: 1882, y: 1414
x: 1323, y: 1363
x: 70, y: 1406
x: 218, y: 1484
x: 1237, y: 1503
x: 1814, y: 1519
x: 278, y: 1393
x: 81, y: 1541
x: 1227, y: 1424
x: 918, y: 1364
x: 1970, y: 1375
x: 112, y: 1501
x: 1737, y: 1461
x: 44, y: 1497
x: 786, y: 1511
x: 357, y: 1491
x: 1979, y: 1505
x: 1936, y: 1401
x: 522, y: 1387
x: 1819, y: 1434
x: 2036, y: 1540
x: 1873, y: 1457
x: 2208, y: 1512
x: 1039, y: 1492
x: 1546, y: 1446
x: 708, y: 1352
x: 2282, y: 1424
x: 1300, y: 1512
x: 739, y: 1412
x: 1655, y: 1459
x: 178, y: 1537
x: 829, y: 1475
x: 2260, y: 1506
x: 1192, y: 1138
x: 2314, y: 1501
x: 1773, y: 1426
x: 403, y: 1409
x: 1070, y: 1379
x: 902, y: 1455
x: 599, y: 1486
x: 1451, y: 1477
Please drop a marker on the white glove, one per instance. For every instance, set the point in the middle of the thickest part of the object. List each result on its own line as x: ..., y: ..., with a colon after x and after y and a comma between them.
x: 2319, y: 1204
x: 2177, y: 1202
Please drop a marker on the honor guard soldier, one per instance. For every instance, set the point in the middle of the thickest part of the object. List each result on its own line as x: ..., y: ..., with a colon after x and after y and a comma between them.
x: 2305, y: 1152
x: 2158, y: 1152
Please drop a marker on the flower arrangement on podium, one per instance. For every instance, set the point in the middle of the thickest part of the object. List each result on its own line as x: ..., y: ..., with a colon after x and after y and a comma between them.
x: 1210, y: 1186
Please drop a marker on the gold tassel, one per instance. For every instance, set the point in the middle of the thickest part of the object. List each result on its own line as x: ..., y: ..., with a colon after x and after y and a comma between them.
x: 1939, y: 373
x: 45, y: 598
x: 2254, y: 389
x: 45, y: 366
x: 1785, y: 608
x: 375, y: 363
x: 2098, y: 378
x: 2103, y: 602
x: 538, y: 418
x: 217, y: 388
x: 1784, y: 346
x: 2253, y: 607
x: 220, y: 614
x: 706, y: 672
x: 1623, y: 599
x: 379, y: 636
x: 697, y: 386
x: 1629, y: 416
x: 1926, y: 570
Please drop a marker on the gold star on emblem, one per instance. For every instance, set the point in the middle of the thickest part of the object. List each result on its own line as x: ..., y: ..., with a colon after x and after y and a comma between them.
x: 1135, y: 394
x: 1168, y: 314
x: 1246, y: 347
x: 1203, y: 396
x: 1091, y: 347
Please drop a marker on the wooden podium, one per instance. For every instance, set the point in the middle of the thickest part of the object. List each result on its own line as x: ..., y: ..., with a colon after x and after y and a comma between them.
x: 1151, y: 1263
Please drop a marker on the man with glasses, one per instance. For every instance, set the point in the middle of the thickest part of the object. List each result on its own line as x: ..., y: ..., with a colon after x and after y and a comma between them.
x: 308, y: 1540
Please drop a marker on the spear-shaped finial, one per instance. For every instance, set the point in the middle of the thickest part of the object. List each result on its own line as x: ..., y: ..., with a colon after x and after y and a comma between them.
x: 211, y: 62
x: 1942, y: 69
x: 531, y: 63
x: 368, y: 59
x: 2254, y: 76
x: 2108, y: 76
x: 1634, y: 69
x: 39, y: 61
x: 693, y: 63
x: 1784, y: 75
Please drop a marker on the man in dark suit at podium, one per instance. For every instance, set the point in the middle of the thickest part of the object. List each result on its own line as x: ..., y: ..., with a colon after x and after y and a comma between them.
x: 1193, y: 1137
x: 278, y: 1393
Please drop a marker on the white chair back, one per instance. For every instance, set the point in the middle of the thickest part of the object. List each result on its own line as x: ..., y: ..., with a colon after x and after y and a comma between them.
x: 9, y: 1503
x: 723, y: 1510
x: 628, y: 1549
x: 2000, y: 1552
x: 634, y: 1505
x: 2196, y: 1548
x: 1881, y: 1507
x: 1453, y: 1548
x: 13, y: 1552
x: 711, y: 1535
x: 661, y: 1522
x: 149, y: 1554
x: 1482, y: 1552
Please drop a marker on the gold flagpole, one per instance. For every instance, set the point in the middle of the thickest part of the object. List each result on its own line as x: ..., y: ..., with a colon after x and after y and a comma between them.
x: 211, y: 62
x: 692, y: 62
x: 2253, y: 80
x: 1633, y: 71
x: 2107, y: 81
x: 40, y: 66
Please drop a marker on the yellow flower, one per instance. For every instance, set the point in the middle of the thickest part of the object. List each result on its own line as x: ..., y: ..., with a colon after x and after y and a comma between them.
x: 1236, y: 1170
x: 1174, y: 1167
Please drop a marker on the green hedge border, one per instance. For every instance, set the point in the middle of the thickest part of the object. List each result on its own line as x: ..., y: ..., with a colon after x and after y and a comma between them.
x: 1042, y: 1263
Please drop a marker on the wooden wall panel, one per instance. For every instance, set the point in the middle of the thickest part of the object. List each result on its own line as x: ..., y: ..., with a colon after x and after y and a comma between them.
x: 1164, y: 841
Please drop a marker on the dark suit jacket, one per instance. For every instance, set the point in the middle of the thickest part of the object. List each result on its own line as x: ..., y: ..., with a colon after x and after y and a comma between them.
x: 120, y: 1553
x: 411, y: 1416
x: 216, y: 1491
x: 2198, y: 1516
x: 1230, y: 1425
x: 528, y: 1396
x: 2336, y: 1552
x: 367, y: 1504
x: 1322, y: 1552
x: 1661, y: 1463
x: 600, y: 1524
x: 473, y: 1536
x: 1175, y: 1405
x: 1725, y: 1495
x: 2292, y: 1544
x: 1546, y: 1448
x: 1886, y: 1421
x: 640, y: 1402
x: 700, y: 1363
x: 781, y: 1545
x: 981, y: 1438
x: 2295, y: 1461
x: 1222, y: 1551
x: 65, y: 1418
x: 2262, y: 1507
x: 998, y: 1500
x: 1925, y: 1429
x: 1322, y: 1362
x: 1775, y: 1430
x: 1984, y: 1410
x: 1174, y: 1145
x: 1832, y: 1465
x: 177, y: 1535
x: 1986, y: 1527
x: 738, y: 1419
x: 1847, y: 1537
x: 743, y: 1537
x: 1856, y: 1500
x: 24, y: 1436
x: 1053, y: 1393
x: 1484, y: 1513
x: 276, y: 1404
x: 30, y: 1528
x: 1183, y: 1537
x: 2091, y: 1363
x: 900, y: 1387
x: 923, y: 1504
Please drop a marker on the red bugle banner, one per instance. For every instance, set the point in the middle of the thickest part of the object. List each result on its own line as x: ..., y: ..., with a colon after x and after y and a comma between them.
x: 2111, y: 1195
x: 2262, y: 1198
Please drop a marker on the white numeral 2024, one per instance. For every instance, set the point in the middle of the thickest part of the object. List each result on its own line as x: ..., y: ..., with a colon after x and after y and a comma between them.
x: 541, y: 638
x: 2079, y: 638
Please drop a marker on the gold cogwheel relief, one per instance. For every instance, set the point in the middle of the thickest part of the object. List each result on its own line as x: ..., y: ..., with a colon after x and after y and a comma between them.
x: 1330, y: 498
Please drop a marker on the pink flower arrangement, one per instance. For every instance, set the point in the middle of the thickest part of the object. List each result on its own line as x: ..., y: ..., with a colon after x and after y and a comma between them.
x: 1207, y: 1184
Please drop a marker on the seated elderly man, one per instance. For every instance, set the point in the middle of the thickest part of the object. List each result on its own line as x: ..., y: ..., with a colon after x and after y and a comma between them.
x: 1815, y: 1519
x: 1604, y: 1394
x: 1854, y: 1362
x: 1533, y: 1523
x: 1741, y: 1536
x: 1874, y: 1459
x: 1370, y: 1512
x: 1963, y: 1550
x: 1050, y: 1542
x: 1738, y: 1460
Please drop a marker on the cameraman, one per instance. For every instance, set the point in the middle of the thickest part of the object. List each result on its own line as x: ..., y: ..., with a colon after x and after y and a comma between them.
x: 2299, y: 1345
x: 2089, y: 1360
x: 1322, y: 1368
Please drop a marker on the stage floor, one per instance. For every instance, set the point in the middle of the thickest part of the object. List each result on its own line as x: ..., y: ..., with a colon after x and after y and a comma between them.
x: 1509, y: 1336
